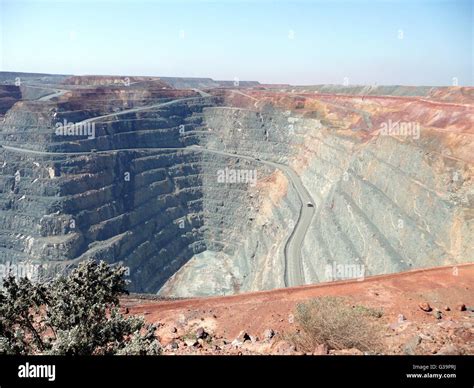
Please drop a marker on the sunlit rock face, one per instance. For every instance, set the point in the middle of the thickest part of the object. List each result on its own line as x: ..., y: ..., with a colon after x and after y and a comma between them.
x: 186, y: 181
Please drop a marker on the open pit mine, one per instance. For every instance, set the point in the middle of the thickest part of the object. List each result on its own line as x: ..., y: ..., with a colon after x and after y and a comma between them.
x: 204, y: 187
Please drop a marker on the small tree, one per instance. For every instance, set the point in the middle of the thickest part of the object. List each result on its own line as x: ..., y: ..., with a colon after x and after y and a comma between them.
x: 77, y: 314
x: 21, y: 332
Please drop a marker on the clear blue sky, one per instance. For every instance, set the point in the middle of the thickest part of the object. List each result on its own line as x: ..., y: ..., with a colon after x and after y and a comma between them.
x: 298, y: 42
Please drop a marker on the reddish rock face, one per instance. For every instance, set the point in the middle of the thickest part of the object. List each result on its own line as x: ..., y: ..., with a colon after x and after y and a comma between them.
x: 321, y: 350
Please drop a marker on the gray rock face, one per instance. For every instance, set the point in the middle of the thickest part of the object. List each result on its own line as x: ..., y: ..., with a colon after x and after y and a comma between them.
x: 188, y: 192
x: 9, y: 95
x: 151, y: 204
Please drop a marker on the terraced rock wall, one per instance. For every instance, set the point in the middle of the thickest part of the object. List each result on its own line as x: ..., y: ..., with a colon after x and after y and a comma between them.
x: 140, y: 197
x: 146, y: 190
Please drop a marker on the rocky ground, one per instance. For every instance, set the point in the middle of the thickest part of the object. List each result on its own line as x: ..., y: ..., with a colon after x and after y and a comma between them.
x: 424, y: 312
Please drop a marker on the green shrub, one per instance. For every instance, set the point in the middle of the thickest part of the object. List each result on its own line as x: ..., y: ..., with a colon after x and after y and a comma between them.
x: 77, y: 314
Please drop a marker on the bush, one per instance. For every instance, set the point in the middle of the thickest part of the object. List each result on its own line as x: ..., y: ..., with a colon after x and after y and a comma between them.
x: 331, y: 321
x: 77, y: 314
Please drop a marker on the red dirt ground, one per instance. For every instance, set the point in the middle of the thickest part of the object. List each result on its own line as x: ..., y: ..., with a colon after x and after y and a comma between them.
x: 254, y: 312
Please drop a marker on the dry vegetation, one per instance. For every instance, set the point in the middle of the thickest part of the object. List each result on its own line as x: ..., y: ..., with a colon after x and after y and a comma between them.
x: 331, y: 321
